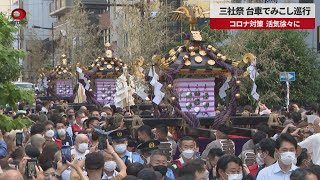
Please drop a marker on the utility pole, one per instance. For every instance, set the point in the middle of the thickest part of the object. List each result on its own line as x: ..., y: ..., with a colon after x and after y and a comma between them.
x: 53, y: 50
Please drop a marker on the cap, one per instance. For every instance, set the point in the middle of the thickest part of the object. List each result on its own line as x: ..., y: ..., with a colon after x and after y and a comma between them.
x: 119, y: 135
x: 149, y: 145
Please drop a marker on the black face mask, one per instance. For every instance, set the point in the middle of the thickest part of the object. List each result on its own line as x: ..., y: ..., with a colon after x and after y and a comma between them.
x: 161, y: 169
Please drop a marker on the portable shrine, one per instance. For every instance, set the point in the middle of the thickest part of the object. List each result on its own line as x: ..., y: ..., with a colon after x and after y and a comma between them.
x: 60, y: 81
x: 193, y: 74
x: 99, y: 79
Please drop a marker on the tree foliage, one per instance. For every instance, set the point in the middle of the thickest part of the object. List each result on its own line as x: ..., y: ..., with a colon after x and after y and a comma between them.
x: 9, y: 65
x: 7, y: 123
x: 9, y: 57
x: 144, y: 32
x: 213, y: 37
x: 278, y: 51
x: 81, y: 36
x: 11, y: 94
x: 37, y: 57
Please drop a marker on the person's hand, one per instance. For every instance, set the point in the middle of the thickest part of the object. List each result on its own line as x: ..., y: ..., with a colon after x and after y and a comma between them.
x: 109, y: 149
x: 291, y: 126
x: 296, y: 133
x: 103, y: 124
x: 246, y: 169
x: 23, y: 164
x: 61, y: 167
x: 89, y: 130
x: 94, y: 148
x: 77, y: 165
x: 40, y: 174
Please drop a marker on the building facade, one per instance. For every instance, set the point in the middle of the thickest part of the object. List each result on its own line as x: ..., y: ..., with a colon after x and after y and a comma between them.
x: 112, y: 19
x: 37, y: 16
x: 59, y: 10
x: 6, y: 6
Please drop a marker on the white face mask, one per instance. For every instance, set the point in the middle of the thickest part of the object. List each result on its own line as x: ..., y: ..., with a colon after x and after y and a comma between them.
x: 61, y: 132
x: 83, y: 147
x: 235, y: 176
x: 288, y: 158
x: 188, y: 153
x: 110, y: 166
x: 50, y: 133
x: 259, y: 159
x: 120, y: 148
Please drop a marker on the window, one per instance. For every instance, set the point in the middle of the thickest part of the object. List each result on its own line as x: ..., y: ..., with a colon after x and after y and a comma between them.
x: 106, y: 35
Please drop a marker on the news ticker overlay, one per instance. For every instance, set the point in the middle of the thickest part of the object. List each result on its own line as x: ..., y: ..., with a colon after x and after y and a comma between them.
x: 262, y: 15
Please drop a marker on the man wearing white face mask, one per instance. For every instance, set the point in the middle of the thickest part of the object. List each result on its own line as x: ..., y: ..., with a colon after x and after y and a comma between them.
x: 63, y: 135
x: 77, y: 126
x: 110, y: 166
x: 286, y: 149
x: 111, y: 162
x: 49, y: 134
x: 265, y: 153
x: 187, y: 147
x: 81, y: 147
x: 120, y: 143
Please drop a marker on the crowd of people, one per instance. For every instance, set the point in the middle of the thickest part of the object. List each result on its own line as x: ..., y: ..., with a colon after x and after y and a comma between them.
x: 64, y: 143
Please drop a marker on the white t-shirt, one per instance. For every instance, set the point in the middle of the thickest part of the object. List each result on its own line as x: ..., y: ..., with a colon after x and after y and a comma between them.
x: 78, y: 155
x: 312, y: 145
x: 106, y: 177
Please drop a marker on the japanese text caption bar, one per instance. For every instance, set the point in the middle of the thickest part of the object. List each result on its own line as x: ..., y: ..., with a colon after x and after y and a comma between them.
x: 262, y: 15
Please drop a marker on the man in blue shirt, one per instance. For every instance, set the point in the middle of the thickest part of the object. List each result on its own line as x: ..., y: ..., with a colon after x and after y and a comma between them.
x: 286, y: 149
x: 120, y: 143
x: 3, y: 146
